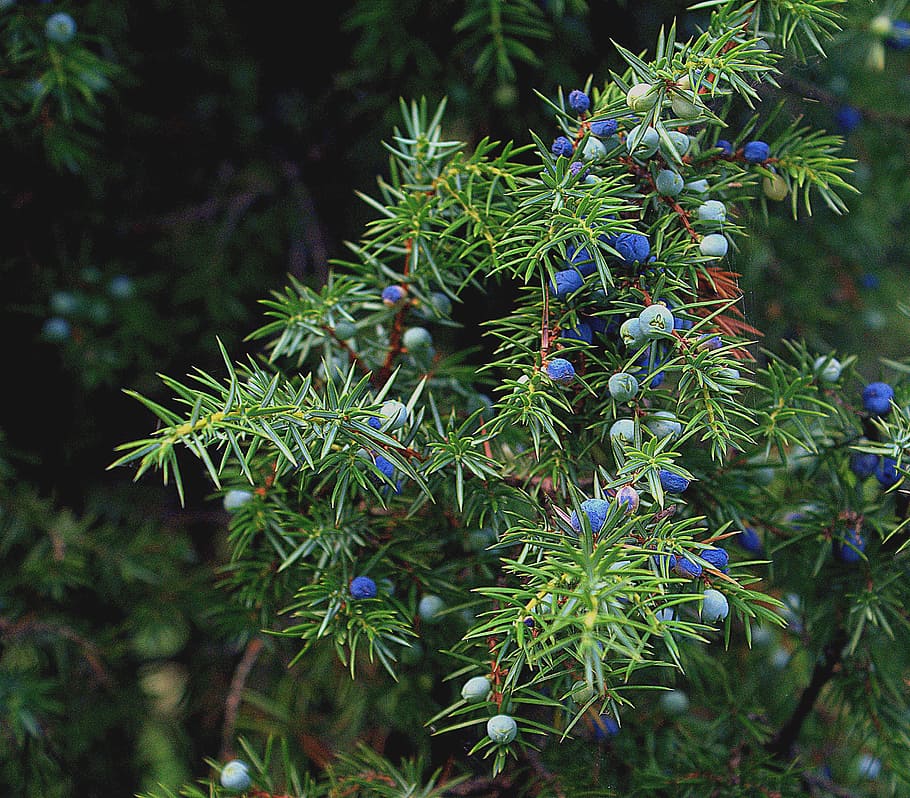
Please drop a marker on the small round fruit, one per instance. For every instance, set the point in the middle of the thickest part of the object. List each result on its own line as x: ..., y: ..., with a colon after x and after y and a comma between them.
x: 234, y: 499
x: 655, y: 320
x: 603, y: 128
x: 630, y: 332
x: 641, y: 97
x: 562, y: 146
x: 623, y: 430
x: 681, y: 145
x: 699, y: 186
x: 714, y: 245
x: 235, y: 775
x: 622, y: 387
x: 345, y: 330
x: 775, y: 187
x: 392, y: 294
x: 712, y: 211
x: 429, y: 607
x: 60, y: 27
x: 560, y: 370
x: 863, y: 464
x: 828, y: 369
x: 672, y: 483
x: 714, y: 606
x: 877, y: 398
x: 594, y: 150
x: 849, y: 546
x: 627, y: 498
x: 56, y: 328
x: 750, y: 540
x: 648, y: 145
x: 395, y: 413
x: 596, y: 511
x: 579, y: 101
x: 756, y: 151
x: 632, y: 247
x: 674, y: 702
x: 565, y: 282
x: 669, y: 182
x: 475, y: 689
x: 501, y: 729
x: 362, y: 587
x: 886, y: 472
x: 416, y: 338
x: 663, y: 424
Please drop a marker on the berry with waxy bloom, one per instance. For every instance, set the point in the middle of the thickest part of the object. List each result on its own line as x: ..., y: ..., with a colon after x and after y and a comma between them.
x: 565, y: 282
x: 712, y: 211
x: 686, y: 567
x: 562, y: 146
x: 392, y: 294
x: 655, y: 320
x: 622, y: 386
x: 714, y: 245
x: 877, y: 398
x: 501, y: 729
x: 641, y: 97
x: 886, y: 472
x: 579, y: 101
x: 849, y: 545
x: 475, y: 689
x: 362, y: 587
x: 863, y: 464
x: 416, y: 338
x: 623, y: 430
x: 714, y: 606
x: 596, y: 511
x: 663, y: 423
x: 756, y: 151
x: 828, y: 369
x: 429, y: 607
x: 716, y: 557
x: 750, y: 540
x: 724, y: 146
x: 627, y: 497
x: 669, y: 182
x: 560, y: 370
x: 60, y: 27
x: 648, y: 144
x: 603, y: 128
x: 632, y: 247
x: 672, y: 483
x: 235, y: 775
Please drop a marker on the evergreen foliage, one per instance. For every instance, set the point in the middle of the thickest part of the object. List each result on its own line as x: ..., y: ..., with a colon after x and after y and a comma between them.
x: 621, y: 545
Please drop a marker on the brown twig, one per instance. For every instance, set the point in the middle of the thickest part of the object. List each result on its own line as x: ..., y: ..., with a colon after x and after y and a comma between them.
x: 232, y: 704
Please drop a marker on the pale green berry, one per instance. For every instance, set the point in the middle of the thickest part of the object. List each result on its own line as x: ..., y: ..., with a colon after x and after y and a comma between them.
x: 345, y: 330
x: 501, y: 729
x: 430, y: 607
x: 683, y: 105
x: 622, y: 387
x: 674, y: 702
x: 714, y: 606
x: 648, y: 145
x: 663, y: 424
x: 416, y: 338
x: 712, y: 211
x: 669, y: 183
x: 396, y: 413
x: 582, y: 693
x: 655, y: 320
x: 699, y: 186
x: 477, y: 688
x: 828, y: 369
x: 775, y: 187
x: 631, y: 333
x: 714, y: 245
x: 235, y: 499
x: 880, y: 25
x: 623, y: 430
x: 681, y: 142
x: 594, y: 150
x: 641, y: 97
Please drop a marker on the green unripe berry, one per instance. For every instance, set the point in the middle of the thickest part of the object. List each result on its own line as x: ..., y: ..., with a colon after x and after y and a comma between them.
x: 345, y: 330
x: 622, y: 387
x: 683, y: 106
x: 880, y: 25
x: 475, y: 689
x: 714, y: 245
x: 663, y: 423
x: 396, y: 413
x: 416, y: 338
x: 712, y: 211
x: 631, y: 333
x: 674, y: 702
x: 648, y: 145
x: 669, y: 183
x: 654, y: 320
x: 641, y: 97
x: 594, y: 150
x: 775, y: 187
x: 501, y: 729
x: 623, y: 430
x: 828, y: 369
x: 430, y: 607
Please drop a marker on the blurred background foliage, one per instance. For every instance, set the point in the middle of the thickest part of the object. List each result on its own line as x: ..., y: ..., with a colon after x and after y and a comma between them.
x: 165, y: 170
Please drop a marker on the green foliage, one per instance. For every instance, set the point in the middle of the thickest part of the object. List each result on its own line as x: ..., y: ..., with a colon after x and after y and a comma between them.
x: 422, y: 441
